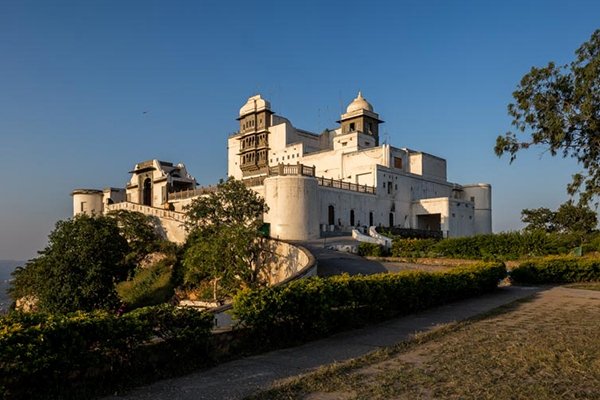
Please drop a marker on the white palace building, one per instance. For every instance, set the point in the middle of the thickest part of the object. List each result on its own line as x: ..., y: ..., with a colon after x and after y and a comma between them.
x: 335, y: 180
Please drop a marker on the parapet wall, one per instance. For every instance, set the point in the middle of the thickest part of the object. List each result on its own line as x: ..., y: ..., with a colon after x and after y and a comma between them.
x: 170, y: 223
x: 287, y: 262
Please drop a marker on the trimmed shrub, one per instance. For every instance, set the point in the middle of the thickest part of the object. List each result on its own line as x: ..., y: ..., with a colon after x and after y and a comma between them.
x: 63, y: 355
x: 504, y: 246
x: 370, y: 250
x: 557, y: 269
x: 412, y: 247
x: 314, y: 307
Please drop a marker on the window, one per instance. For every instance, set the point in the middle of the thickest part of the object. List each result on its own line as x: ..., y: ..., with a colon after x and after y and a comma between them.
x: 473, y: 199
x: 83, y: 206
x: 331, y: 215
x: 352, y: 127
x: 389, y: 187
x: 369, y: 127
x: 398, y: 162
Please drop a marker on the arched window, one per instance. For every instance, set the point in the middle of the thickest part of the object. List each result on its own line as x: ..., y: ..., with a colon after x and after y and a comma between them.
x: 351, y: 217
x: 371, y: 218
x: 331, y: 215
x: 391, y: 220
x: 147, y: 194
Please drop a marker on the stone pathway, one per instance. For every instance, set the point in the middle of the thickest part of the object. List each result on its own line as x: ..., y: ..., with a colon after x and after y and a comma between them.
x: 240, y: 378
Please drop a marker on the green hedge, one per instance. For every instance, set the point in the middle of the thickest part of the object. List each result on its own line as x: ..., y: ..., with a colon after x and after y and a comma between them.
x: 371, y: 250
x: 412, y: 247
x: 505, y: 246
x: 313, y: 307
x: 557, y: 269
x: 51, y: 356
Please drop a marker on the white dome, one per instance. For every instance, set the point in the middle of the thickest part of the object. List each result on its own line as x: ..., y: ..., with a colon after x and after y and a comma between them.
x: 254, y: 103
x: 359, y: 103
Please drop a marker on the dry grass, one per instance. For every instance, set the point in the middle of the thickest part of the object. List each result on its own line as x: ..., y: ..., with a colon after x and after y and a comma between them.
x: 544, y: 348
x: 585, y: 285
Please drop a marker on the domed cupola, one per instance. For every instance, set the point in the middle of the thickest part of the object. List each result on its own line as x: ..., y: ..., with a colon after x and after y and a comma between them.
x: 361, y: 118
x: 359, y: 103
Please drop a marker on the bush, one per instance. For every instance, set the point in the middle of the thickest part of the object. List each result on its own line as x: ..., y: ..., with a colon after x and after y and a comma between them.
x: 314, y: 307
x: 412, y: 247
x: 61, y: 355
x: 557, y: 269
x: 370, y: 250
x: 504, y: 246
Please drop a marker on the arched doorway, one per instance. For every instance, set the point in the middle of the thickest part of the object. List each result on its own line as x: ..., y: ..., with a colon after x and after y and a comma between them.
x: 391, y: 220
x: 351, y: 217
x: 331, y: 215
x: 147, y: 193
x: 371, y: 218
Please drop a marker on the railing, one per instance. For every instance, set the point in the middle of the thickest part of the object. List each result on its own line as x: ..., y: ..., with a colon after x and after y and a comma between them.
x: 186, y: 194
x: 254, y: 181
x: 305, y: 170
x: 337, y: 184
x: 158, y: 212
x: 292, y: 169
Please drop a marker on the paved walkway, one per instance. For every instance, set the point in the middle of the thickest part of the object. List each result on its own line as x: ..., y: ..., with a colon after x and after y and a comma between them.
x: 240, y: 378
x: 333, y: 262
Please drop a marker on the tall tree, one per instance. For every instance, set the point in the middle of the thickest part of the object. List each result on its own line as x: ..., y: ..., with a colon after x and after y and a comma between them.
x: 225, y: 245
x: 78, y: 268
x: 558, y: 107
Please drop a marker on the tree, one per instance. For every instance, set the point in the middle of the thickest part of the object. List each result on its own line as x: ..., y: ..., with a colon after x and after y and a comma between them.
x: 224, y: 244
x: 539, y: 219
x: 569, y: 218
x: 575, y: 218
x: 558, y: 107
x: 140, y: 231
x: 78, y: 268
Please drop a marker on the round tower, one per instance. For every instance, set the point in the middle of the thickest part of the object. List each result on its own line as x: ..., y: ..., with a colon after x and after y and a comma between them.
x: 293, y: 207
x: 481, y: 195
x: 87, y: 201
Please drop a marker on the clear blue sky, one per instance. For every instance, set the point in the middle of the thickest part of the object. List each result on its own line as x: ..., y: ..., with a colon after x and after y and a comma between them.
x: 77, y: 76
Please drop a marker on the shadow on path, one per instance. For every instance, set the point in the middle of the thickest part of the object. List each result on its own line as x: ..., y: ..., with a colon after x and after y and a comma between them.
x: 332, y: 262
x: 240, y: 378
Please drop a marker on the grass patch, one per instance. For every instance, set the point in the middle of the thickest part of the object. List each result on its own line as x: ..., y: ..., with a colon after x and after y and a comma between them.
x: 542, y: 348
x: 149, y: 286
